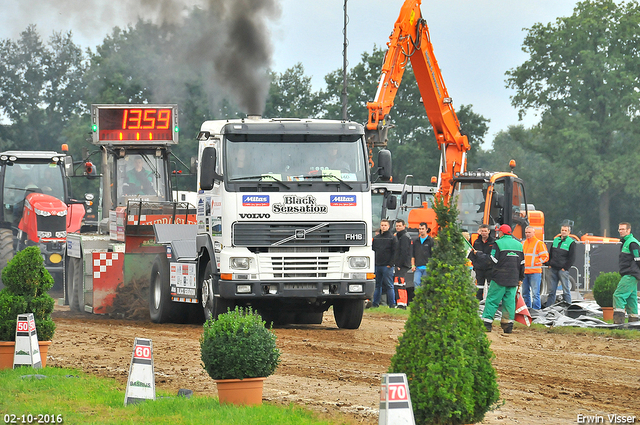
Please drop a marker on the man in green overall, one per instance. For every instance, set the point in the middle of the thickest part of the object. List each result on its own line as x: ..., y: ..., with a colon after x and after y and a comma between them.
x: 507, y: 275
x: 626, y: 295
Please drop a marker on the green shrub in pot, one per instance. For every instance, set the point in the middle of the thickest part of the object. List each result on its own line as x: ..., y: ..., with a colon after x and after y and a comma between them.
x: 237, y: 345
x: 26, y: 283
x: 604, y: 287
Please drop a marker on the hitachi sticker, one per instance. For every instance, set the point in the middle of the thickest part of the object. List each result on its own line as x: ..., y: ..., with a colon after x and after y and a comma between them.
x: 255, y: 200
x: 343, y: 200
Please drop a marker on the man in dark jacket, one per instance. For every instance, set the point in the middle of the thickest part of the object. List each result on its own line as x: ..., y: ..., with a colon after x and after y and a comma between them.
x: 422, y: 246
x: 403, y: 262
x: 626, y: 295
x: 562, y: 255
x: 384, y: 245
x: 508, y: 272
x: 481, y: 263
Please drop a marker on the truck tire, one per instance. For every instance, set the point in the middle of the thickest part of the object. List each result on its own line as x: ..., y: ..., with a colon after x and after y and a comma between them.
x: 161, y: 308
x: 348, y: 313
x: 75, y: 284
x: 212, y: 306
x: 6, y: 250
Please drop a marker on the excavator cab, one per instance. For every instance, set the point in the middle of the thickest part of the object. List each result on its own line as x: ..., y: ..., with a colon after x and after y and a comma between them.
x: 491, y: 198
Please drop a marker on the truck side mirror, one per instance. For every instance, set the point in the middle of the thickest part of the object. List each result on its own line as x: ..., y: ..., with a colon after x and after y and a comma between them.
x: 392, y: 202
x: 208, y: 174
x: 405, y: 197
x: 384, y: 165
x: 193, y: 168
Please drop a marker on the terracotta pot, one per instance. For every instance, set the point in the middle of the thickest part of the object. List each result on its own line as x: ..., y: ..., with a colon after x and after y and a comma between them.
x: 246, y: 391
x: 7, y: 348
x: 607, y: 313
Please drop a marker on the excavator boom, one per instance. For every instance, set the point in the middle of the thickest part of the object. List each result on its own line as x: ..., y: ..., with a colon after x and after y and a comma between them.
x: 410, y: 41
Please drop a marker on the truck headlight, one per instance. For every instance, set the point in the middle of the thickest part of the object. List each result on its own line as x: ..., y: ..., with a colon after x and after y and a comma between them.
x: 239, y: 263
x: 43, y: 234
x: 356, y: 288
x: 359, y: 262
x: 243, y: 289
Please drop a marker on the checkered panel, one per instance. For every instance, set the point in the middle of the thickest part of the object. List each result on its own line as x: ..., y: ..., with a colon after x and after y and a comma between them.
x: 102, y: 261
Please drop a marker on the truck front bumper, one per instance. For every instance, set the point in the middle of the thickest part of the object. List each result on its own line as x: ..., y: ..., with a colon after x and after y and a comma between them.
x: 325, y: 290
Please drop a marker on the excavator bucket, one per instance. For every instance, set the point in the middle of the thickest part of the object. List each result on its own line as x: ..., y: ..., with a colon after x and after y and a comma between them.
x: 377, y: 138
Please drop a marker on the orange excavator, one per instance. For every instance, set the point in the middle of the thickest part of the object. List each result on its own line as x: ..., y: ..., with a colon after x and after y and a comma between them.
x: 482, y: 197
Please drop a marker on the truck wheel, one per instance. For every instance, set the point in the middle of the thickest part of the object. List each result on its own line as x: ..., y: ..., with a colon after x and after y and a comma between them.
x: 348, y: 313
x: 75, y: 286
x: 161, y: 308
x: 213, y: 306
x: 6, y: 249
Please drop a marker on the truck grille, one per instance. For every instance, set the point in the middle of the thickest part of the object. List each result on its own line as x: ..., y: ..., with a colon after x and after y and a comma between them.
x: 264, y: 234
x: 299, y: 266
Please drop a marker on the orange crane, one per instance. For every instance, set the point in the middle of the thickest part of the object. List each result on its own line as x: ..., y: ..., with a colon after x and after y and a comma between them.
x: 482, y: 197
x: 410, y: 40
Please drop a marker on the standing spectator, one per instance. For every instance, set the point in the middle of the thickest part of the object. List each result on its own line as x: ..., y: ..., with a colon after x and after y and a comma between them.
x: 422, y: 246
x: 561, y: 258
x: 535, y: 255
x: 481, y: 263
x: 508, y: 272
x: 384, y: 245
x: 403, y: 262
x: 626, y: 295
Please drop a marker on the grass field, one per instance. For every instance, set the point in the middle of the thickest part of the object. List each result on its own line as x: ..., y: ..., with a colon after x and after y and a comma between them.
x: 72, y: 397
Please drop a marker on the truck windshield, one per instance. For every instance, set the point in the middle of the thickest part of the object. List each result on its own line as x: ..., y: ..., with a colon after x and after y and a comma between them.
x: 470, y: 198
x: 295, y: 161
x: 140, y: 176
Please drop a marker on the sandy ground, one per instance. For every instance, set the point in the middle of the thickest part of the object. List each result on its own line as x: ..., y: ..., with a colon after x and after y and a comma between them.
x: 544, y: 378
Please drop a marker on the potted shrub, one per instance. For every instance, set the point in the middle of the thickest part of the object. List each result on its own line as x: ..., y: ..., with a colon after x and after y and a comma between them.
x: 603, y: 289
x: 239, y: 353
x: 26, y: 283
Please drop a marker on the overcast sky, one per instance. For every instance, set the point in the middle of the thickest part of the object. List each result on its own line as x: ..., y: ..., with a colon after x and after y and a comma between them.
x: 475, y: 42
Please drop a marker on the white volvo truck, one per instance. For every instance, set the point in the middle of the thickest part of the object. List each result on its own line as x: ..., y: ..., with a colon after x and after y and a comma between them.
x: 284, y: 225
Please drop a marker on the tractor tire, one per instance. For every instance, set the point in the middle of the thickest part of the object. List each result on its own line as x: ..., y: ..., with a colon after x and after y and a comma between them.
x: 75, y: 284
x: 348, y: 313
x: 161, y: 308
x: 212, y: 306
x: 6, y: 250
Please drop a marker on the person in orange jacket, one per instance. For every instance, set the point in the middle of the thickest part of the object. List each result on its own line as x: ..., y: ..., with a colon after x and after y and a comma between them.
x: 535, y: 255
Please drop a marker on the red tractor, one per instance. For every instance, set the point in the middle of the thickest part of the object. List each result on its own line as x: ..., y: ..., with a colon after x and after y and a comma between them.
x: 36, y: 207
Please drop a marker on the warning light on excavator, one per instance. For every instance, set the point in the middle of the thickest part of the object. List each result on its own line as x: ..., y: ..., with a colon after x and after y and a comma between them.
x: 512, y: 164
x: 65, y: 147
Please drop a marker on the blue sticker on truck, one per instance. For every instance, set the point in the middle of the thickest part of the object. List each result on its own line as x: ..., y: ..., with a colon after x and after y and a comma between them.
x: 343, y: 200
x: 255, y: 200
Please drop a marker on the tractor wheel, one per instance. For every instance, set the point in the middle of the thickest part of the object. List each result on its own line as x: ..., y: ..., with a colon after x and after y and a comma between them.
x: 6, y: 250
x: 348, y: 313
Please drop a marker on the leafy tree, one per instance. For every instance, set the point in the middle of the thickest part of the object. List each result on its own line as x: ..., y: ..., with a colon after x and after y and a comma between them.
x: 41, y: 89
x: 583, y: 76
x: 444, y: 350
x: 291, y: 95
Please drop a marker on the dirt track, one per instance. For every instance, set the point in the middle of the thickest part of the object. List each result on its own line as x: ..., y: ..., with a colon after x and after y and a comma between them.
x: 544, y: 378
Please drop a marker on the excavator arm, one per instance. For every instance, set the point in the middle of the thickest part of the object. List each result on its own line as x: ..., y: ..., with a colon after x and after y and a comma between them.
x: 410, y: 41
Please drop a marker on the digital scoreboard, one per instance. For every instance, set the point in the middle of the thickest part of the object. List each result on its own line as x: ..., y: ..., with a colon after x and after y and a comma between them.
x: 139, y: 124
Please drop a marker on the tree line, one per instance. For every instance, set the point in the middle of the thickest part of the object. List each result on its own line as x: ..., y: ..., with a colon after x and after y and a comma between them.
x: 582, y: 77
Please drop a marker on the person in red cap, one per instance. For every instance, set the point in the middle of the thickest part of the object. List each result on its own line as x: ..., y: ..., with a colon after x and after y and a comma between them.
x: 508, y: 272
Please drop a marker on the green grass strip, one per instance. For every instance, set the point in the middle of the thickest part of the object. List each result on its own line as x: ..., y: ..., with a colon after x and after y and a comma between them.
x: 79, y: 398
